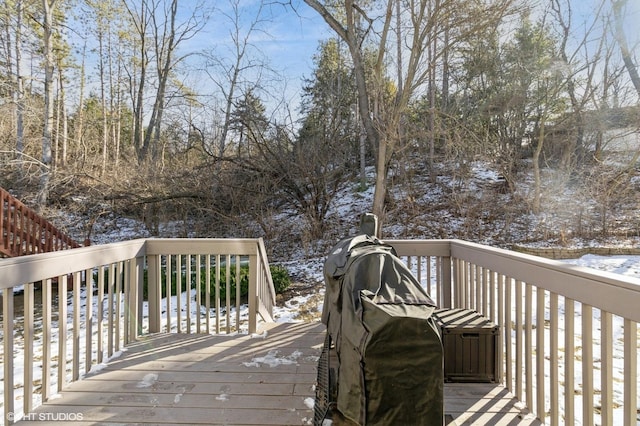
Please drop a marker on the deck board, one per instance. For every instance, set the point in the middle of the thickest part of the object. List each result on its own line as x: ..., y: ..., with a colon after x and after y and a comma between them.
x: 265, y: 379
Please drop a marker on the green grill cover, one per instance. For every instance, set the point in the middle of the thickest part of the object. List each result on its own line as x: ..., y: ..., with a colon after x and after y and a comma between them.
x: 388, y: 345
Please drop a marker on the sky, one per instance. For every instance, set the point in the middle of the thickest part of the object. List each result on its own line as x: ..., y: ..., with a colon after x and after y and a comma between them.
x: 287, y: 39
x: 290, y: 38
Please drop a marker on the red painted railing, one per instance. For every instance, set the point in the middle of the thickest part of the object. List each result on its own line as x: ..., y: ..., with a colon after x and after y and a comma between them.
x: 25, y: 232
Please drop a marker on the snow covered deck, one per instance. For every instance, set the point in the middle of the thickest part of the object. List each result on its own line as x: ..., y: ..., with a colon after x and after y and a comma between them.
x: 264, y: 379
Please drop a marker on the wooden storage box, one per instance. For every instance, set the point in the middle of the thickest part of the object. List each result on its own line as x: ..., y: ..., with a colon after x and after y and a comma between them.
x: 470, y: 346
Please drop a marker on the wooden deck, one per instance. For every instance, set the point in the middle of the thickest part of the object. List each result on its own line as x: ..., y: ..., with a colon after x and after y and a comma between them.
x: 265, y: 379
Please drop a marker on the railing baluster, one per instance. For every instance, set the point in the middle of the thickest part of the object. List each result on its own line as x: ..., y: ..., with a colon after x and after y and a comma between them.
x: 46, y: 339
x: 188, y: 291
x: 110, y: 298
x: 501, y: 324
x: 7, y: 329
x: 100, y: 302
x: 228, y: 292
x: 485, y: 292
x: 168, y: 292
x: 238, y: 295
x: 88, y: 285
x: 132, y: 303
x: 492, y: 295
x: 118, y: 294
x: 569, y: 361
x: 207, y: 293
x: 508, y: 327
x: 126, y: 294
x: 587, y: 365
x: 198, y: 294
x: 630, y: 372
x: 553, y: 362
x: 217, y: 294
x: 28, y: 338
x: 528, y: 343
x: 518, y: 372
x: 606, y: 368
x: 62, y: 331
x: 469, y: 276
x: 179, y: 293
x: 540, y: 353
x: 75, y: 375
x: 457, y: 283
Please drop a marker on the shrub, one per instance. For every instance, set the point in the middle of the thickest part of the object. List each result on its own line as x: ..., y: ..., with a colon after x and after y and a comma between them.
x: 280, y: 275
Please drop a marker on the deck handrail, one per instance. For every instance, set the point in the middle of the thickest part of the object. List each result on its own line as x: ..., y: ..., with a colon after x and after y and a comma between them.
x: 190, y: 272
x: 24, y: 232
x: 535, y: 301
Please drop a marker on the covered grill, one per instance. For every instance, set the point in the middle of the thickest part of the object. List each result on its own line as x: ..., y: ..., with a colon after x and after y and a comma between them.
x: 382, y: 362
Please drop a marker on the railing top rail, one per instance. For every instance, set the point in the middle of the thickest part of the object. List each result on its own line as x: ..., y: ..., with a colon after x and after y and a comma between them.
x: 14, y: 271
x: 31, y: 268
x: 416, y: 247
x: 171, y: 246
x: 614, y: 293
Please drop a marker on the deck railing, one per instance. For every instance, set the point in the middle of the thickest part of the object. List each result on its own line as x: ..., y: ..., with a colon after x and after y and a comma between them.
x: 23, y: 231
x: 58, y: 338
x: 569, y: 335
x: 552, y: 359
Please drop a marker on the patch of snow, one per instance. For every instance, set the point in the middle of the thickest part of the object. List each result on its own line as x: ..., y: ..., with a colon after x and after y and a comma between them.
x: 148, y: 380
x: 310, y: 403
x: 273, y: 360
x: 262, y: 335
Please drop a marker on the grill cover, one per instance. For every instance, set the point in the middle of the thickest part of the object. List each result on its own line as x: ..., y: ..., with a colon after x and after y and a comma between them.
x: 388, y: 346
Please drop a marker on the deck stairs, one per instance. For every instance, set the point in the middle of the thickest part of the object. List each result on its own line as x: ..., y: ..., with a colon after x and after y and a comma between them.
x: 26, y: 232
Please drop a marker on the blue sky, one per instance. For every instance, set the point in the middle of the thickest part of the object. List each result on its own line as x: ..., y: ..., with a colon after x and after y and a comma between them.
x: 287, y: 40
x: 291, y: 38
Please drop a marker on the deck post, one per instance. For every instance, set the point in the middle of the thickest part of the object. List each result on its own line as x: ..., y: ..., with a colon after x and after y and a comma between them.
x: 7, y: 328
x: 139, y: 283
x: 153, y: 292
x: 253, y: 293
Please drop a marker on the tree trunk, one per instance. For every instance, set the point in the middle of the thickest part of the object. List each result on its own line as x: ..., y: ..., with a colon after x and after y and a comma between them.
x: 349, y: 34
x: 64, y: 132
x: 536, y: 169
x: 103, y: 101
x: 622, y: 42
x: 79, y: 123
x: 19, y: 89
x: 43, y: 194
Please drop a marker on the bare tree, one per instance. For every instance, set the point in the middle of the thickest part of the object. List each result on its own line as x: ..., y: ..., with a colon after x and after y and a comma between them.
x: 240, y: 70
x: 168, y: 34
x: 361, y: 29
x: 621, y: 38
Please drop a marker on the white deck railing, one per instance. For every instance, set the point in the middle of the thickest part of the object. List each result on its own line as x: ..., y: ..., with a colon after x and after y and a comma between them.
x: 569, y: 335
x: 553, y: 360
x: 63, y: 338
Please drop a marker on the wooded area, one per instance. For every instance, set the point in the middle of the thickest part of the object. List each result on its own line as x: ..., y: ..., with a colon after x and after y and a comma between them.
x: 101, y: 110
